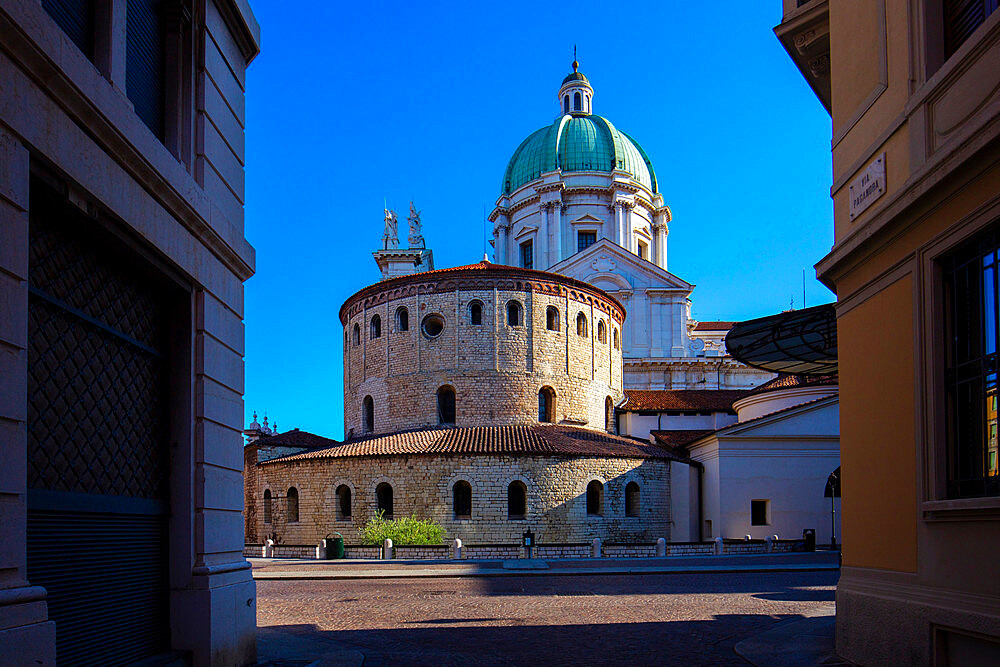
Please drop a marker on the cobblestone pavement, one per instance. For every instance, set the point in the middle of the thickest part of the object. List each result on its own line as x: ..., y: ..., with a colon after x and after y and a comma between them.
x: 603, y: 619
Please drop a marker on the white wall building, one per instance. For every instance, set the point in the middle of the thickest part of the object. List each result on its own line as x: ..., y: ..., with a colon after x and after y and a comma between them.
x: 580, y: 197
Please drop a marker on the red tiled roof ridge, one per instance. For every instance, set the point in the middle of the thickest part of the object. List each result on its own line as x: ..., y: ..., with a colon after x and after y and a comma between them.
x: 716, y: 400
x: 790, y: 381
x: 714, y: 325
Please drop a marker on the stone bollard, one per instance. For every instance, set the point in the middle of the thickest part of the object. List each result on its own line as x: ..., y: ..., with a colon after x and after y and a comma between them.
x: 456, y: 548
x: 661, y: 548
x: 718, y: 546
x: 747, y: 538
x: 268, y: 548
x: 769, y: 544
x: 321, y: 550
x: 387, y: 549
x: 595, y: 548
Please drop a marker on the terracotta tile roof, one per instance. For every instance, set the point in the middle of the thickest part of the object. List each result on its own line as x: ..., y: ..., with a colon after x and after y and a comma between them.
x: 788, y: 381
x: 700, y: 400
x: 294, y: 438
x: 714, y: 326
x: 484, y: 440
x: 679, y: 438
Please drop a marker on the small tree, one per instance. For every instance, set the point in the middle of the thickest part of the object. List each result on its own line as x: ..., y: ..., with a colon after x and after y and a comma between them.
x: 403, y: 532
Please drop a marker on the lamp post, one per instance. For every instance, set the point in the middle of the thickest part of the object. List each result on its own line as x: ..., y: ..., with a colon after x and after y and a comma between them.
x: 834, y: 483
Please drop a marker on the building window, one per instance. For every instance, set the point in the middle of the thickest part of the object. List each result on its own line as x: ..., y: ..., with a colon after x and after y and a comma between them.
x: 576, y: 101
x: 759, y: 512
x: 343, y: 502
x: 145, y: 67
x: 546, y: 404
x: 602, y: 331
x: 267, y: 506
x: 961, y: 18
x: 585, y: 239
x: 552, y: 318
x: 631, y: 499
x: 446, y: 405
x: 527, y: 253
x: 517, y: 500
x: 76, y: 18
x: 642, y: 250
x: 514, y: 313
x: 433, y: 325
x: 581, y: 324
x: 565, y: 103
x: 402, y: 319
x: 595, y: 498
x: 383, y: 499
x: 476, y: 313
x: 369, y: 414
x: 609, y: 415
x: 617, y: 343
x: 357, y: 334
x: 708, y: 528
x: 376, y: 327
x: 971, y: 329
x: 462, y: 500
x: 292, y: 501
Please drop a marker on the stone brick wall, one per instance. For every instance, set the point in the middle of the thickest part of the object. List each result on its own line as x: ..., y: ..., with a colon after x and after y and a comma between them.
x: 422, y: 485
x: 495, y: 369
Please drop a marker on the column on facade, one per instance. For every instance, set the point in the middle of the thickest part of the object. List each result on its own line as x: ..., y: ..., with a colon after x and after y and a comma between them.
x: 657, y: 312
x: 556, y: 249
x: 678, y: 311
x: 540, y: 251
x: 500, y: 240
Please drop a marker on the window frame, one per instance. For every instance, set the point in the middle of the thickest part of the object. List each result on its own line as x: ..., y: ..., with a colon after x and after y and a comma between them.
x: 527, y: 254
x: 551, y: 318
x: 633, y: 505
x: 379, y: 498
x: 375, y: 327
x: 464, y: 487
x: 523, y: 490
x: 580, y: 246
x: 402, y: 319
x: 599, y: 489
x: 766, y: 508
x: 340, y: 514
x: 441, y: 392
x: 519, y: 309
x: 290, y: 495
x: 475, y: 311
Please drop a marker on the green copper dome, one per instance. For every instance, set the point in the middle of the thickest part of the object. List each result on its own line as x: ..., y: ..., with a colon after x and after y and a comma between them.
x: 577, y: 143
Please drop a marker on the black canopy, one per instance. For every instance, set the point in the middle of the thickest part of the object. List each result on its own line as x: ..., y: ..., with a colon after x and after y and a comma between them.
x: 801, y: 342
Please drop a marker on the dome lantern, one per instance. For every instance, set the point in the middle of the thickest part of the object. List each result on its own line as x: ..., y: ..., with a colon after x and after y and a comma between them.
x: 575, y: 94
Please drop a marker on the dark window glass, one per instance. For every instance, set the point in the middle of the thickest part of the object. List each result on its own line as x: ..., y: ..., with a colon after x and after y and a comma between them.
x: 546, y: 404
x: 642, y: 250
x: 369, y: 417
x: 552, y: 318
x: 513, y: 313
x: 343, y: 502
x: 566, y: 104
x: 961, y: 18
x: 576, y: 101
x: 462, y: 500
x: 267, y: 506
x: 517, y: 500
x: 144, y: 63
x: 970, y: 280
x: 527, y: 253
x: 357, y: 334
x: 292, y: 499
x: 402, y: 319
x: 609, y: 414
x: 383, y: 499
x: 585, y: 239
x: 595, y: 498
x: 602, y: 332
x: 433, y: 326
x: 76, y: 18
x: 631, y: 499
x: 581, y: 324
x: 758, y: 512
x: 376, y: 328
x: 475, y: 313
x: 446, y: 405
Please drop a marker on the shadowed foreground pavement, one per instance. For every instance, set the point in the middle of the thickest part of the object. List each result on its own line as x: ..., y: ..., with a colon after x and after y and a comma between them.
x: 602, y: 619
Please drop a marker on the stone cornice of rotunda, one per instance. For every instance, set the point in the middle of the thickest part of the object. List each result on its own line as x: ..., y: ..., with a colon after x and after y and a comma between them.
x: 668, y: 215
x: 550, y: 187
x: 523, y: 203
x: 479, y: 277
x: 497, y: 212
x: 690, y: 363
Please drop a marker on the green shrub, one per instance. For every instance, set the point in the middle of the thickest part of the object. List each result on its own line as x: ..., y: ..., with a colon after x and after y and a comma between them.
x: 403, y: 532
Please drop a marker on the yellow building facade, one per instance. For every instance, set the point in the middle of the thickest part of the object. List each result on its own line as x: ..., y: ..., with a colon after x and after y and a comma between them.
x: 913, y: 89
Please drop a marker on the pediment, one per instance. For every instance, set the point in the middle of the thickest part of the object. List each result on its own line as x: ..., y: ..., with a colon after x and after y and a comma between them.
x: 605, y: 258
x: 525, y: 230
x: 587, y: 219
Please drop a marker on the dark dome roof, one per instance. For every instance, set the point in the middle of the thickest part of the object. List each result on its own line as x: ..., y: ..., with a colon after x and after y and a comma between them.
x: 575, y: 76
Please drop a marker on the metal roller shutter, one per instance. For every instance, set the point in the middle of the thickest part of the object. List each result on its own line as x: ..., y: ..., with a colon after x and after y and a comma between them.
x: 76, y: 18
x: 144, y: 64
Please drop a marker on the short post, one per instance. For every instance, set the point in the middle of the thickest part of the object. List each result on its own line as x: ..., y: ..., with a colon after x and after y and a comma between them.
x: 387, y: 549
x: 718, y: 546
x: 769, y: 543
x: 528, y: 540
x: 321, y: 550
x: 595, y: 548
x: 268, y: 548
x: 661, y: 548
x: 747, y: 538
x: 456, y: 548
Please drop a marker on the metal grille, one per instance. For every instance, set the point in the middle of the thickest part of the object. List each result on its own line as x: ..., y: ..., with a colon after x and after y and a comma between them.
x: 96, y: 400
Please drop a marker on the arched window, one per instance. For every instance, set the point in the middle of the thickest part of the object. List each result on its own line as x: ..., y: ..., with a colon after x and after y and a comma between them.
x: 602, y: 331
x: 383, y: 499
x: 631, y: 499
x: 475, y: 313
x: 617, y: 343
x: 402, y: 319
x: 267, y: 506
x: 292, y: 500
x: 446, y: 405
x: 576, y: 101
x: 462, y: 500
x: 546, y: 404
x: 376, y: 327
x: 514, y: 313
x: 595, y: 498
x: 517, y: 500
x: 552, y: 318
x: 368, y: 424
x: 566, y: 104
x: 609, y: 415
x: 357, y: 334
x: 343, y: 502
x: 581, y: 325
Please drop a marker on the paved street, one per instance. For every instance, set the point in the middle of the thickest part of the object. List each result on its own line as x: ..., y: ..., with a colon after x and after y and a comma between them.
x: 602, y: 619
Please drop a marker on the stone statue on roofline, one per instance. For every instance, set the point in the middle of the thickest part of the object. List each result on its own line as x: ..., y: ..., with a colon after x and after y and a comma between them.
x: 416, y: 239
x: 390, y: 237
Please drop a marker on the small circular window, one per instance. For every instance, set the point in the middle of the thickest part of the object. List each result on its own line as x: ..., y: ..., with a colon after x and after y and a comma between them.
x: 433, y: 325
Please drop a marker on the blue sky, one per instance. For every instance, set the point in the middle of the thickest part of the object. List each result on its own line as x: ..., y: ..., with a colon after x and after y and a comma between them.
x: 350, y: 104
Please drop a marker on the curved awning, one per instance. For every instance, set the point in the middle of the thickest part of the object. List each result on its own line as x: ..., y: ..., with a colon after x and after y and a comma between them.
x: 801, y: 342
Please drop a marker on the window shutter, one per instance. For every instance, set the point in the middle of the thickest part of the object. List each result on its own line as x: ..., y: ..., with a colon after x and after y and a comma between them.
x: 144, y: 68
x: 76, y: 18
x: 961, y: 18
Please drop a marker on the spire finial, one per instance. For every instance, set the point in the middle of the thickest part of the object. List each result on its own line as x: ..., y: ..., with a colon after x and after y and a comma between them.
x: 576, y: 65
